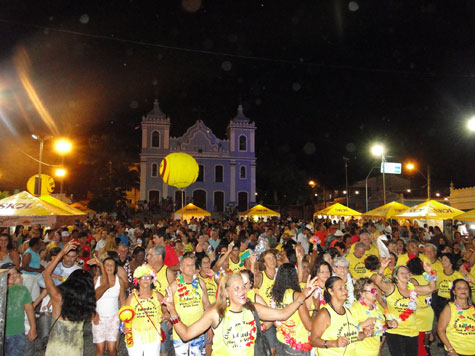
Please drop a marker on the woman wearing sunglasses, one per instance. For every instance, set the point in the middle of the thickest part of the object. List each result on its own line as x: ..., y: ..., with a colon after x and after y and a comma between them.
x: 401, y: 297
x: 146, y: 303
x: 367, y: 311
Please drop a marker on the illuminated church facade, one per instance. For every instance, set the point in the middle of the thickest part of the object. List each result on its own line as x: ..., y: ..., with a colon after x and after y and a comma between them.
x: 227, y: 167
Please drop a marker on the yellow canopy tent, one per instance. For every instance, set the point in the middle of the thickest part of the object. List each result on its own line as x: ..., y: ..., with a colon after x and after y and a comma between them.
x: 337, y: 210
x: 190, y: 211
x: 60, y: 204
x: 83, y: 208
x: 259, y: 211
x: 386, y: 211
x: 26, y: 209
x: 430, y: 210
x: 468, y: 216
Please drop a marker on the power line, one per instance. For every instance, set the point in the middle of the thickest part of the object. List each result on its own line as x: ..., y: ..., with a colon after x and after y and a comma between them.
x: 240, y: 56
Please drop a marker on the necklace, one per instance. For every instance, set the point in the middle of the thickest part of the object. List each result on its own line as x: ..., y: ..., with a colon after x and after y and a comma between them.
x: 379, y: 326
x: 183, y: 290
x: 464, y: 324
x: 411, y: 306
x: 350, y: 299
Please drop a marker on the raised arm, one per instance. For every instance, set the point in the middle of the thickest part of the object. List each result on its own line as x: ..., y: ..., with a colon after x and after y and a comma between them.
x: 270, y: 314
x: 431, y: 287
x: 304, y: 314
x: 53, y: 291
x: 378, y: 279
x: 223, y: 258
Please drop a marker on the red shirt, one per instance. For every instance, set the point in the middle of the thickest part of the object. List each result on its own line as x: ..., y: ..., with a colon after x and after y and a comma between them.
x: 171, y: 258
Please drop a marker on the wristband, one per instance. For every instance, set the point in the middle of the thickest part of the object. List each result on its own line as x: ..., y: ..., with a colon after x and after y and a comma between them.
x: 175, y: 319
x: 432, y: 277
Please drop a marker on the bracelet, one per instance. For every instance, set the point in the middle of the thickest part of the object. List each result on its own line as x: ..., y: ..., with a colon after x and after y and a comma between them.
x: 325, y: 344
x: 380, y: 274
x: 432, y: 277
x: 175, y: 319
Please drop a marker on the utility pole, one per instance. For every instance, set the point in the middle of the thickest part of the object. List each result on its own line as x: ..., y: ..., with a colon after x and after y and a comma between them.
x: 346, y: 159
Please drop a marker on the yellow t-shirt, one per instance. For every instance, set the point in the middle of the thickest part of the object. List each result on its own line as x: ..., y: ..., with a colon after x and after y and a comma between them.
x: 403, y: 258
x: 188, y: 302
x: 234, y: 333
x: 292, y: 330
x: 357, y: 267
x: 211, y: 288
x: 235, y: 267
x: 143, y: 329
x: 424, y: 312
x: 461, y: 329
x: 162, y: 281
x: 266, y: 288
x: 444, y: 283
x: 369, y: 346
x: 341, y: 325
x: 373, y: 250
x: 397, y: 304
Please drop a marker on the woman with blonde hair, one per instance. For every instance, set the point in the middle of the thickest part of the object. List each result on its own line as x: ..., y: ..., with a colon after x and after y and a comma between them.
x: 110, y: 245
x: 232, y: 317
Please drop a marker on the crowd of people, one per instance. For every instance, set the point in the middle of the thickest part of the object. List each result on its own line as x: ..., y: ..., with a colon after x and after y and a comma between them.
x: 229, y: 287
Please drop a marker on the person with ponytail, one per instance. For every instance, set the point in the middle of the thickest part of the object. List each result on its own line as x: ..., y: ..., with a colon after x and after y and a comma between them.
x: 292, y: 334
x: 232, y: 318
x: 335, y: 332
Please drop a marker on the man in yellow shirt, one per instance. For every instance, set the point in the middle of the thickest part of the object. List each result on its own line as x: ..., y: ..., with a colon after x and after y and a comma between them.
x: 356, y: 259
x: 412, y: 251
x: 370, y: 249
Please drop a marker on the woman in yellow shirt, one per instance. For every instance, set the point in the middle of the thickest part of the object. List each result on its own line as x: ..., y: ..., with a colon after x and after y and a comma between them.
x: 456, y: 326
x: 424, y: 312
x: 401, y: 298
x: 292, y: 334
x: 335, y: 332
x: 366, y: 310
x: 445, y: 278
x: 232, y: 317
x: 147, y: 305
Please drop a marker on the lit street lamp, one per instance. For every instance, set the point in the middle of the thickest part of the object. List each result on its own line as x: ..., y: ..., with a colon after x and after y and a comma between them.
x: 379, y: 150
x: 60, y: 172
x: 40, y: 162
x: 62, y: 146
x: 471, y: 123
x: 412, y: 167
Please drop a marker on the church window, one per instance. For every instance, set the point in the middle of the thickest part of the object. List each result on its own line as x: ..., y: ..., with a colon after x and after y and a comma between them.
x: 155, y: 139
x: 242, y: 143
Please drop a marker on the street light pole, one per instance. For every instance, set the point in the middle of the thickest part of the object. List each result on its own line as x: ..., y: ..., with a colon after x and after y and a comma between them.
x: 366, y: 186
x: 428, y: 182
x: 346, y: 159
x: 40, y: 162
x: 383, y: 160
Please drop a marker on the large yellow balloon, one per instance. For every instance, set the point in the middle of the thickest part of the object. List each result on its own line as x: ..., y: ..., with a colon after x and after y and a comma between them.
x: 179, y: 170
x: 47, y: 184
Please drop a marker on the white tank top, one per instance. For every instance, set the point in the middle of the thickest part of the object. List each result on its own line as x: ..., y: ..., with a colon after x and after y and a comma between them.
x: 108, y: 304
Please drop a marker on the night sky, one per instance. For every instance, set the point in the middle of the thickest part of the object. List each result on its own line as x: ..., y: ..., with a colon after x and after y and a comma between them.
x: 321, y: 79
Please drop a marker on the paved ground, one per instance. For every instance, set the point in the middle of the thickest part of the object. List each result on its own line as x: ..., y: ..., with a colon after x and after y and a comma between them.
x: 89, y: 348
